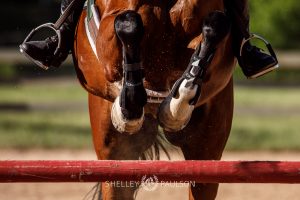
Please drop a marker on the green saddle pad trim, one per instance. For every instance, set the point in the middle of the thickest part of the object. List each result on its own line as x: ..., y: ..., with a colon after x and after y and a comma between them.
x: 89, y: 9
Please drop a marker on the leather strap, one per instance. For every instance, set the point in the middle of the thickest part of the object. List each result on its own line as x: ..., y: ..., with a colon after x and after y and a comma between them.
x: 196, y: 70
x: 67, y: 12
x: 132, y: 67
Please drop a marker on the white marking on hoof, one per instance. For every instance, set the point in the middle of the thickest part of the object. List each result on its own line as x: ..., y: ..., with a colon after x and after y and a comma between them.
x: 122, y: 124
x: 175, y: 112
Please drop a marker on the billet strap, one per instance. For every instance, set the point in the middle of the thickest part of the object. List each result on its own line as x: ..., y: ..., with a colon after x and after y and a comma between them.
x: 255, y: 36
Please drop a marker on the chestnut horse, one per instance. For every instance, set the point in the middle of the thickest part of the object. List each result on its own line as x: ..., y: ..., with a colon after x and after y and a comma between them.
x: 142, y: 51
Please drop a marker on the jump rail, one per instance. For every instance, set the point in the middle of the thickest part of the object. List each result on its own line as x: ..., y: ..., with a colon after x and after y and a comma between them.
x: 199, y: 171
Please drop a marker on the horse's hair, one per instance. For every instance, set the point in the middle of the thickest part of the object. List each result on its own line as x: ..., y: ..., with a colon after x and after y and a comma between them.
x: 160, y: 144
x: 94, y: 193
x: 152, y: 153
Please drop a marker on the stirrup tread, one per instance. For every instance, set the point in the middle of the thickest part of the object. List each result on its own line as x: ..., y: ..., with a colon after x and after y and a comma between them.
x: 267, y: 69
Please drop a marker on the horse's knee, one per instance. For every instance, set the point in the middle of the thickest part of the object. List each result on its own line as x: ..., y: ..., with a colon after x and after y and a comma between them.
x: 215, y: 27
x: 129, y: 29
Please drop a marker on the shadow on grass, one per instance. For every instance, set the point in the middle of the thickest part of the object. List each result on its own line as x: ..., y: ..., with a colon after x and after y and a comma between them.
x: 16, y: 107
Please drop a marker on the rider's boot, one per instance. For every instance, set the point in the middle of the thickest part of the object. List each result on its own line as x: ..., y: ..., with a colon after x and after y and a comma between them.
x: 253, y: 61
x: 42, y: 52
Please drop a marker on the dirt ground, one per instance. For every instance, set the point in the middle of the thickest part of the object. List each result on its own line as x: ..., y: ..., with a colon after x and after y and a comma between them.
x: 74, y: 191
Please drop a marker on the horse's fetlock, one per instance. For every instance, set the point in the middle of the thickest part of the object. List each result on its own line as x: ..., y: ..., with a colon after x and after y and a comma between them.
x: 187, y: 90
x: 133, y: 96
x: 124, y: 124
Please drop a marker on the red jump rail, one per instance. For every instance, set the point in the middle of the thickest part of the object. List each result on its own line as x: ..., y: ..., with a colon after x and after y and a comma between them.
x: 164, y: 171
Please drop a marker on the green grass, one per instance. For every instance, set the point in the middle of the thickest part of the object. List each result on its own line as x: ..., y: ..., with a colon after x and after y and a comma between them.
x: 45, y: 130
x: 271, y: 97
x: 49, y: 127
x: 42, y: 92
x: 256, y: 132
x: 266, y: 118
x: 283, y: 76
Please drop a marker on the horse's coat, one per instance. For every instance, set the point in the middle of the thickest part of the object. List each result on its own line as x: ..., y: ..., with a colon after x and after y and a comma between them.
x: 172, y: 30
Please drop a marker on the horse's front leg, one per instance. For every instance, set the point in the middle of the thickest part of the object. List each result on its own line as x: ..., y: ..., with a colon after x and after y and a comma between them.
x: 176, y: 110
x: 128, y: 109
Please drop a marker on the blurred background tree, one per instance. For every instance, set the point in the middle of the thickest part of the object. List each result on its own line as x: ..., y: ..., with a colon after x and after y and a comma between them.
x: 278, y: 21
x: 19, y: 17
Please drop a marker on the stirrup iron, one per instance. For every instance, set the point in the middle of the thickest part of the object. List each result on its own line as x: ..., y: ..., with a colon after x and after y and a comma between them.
x: 255, y: 36
x: 34, y: 31
x: 55, y: 27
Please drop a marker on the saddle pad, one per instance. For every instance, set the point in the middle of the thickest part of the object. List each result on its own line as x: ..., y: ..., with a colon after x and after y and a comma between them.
x: 92, y: 23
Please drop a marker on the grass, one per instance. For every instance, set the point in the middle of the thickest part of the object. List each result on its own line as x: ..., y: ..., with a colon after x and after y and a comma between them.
x: 42, y: 92
x: 267, y: 97
x: 283, y: 76
x: 49, y: 126
x: 254, y: 132
x: 266, y: 118
x: 65, y: 129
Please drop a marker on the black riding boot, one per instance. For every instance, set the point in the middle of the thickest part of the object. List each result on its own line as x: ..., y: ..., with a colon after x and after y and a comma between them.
x: 252, y: 60
x: 42, y: 52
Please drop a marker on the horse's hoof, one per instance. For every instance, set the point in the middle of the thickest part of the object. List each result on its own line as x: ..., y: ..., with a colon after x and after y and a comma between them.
x: 175, y: 112
x: 122, y: 124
